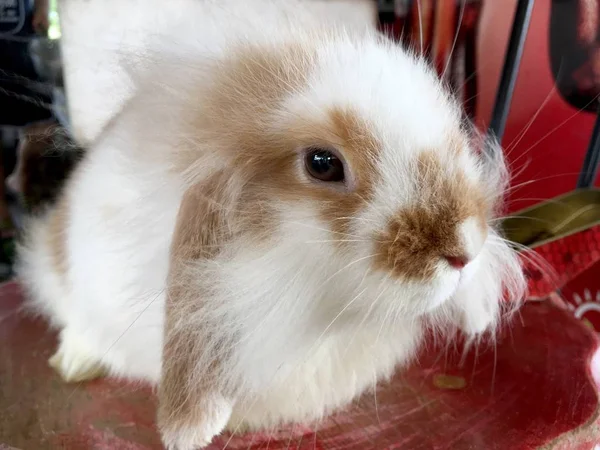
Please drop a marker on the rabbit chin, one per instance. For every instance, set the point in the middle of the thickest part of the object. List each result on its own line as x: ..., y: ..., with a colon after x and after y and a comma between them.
x: 415, y: 299
x: 445, y: 286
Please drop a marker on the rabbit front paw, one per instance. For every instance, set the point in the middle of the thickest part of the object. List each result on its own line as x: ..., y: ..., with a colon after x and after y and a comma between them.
x: 195, y: 430
x: 74, y: 361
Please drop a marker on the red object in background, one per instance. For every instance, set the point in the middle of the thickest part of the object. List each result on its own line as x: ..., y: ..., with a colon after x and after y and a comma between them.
x: 446, y: 30
x: 546, y: 137
x: 421, y: 25
x: 562, y: 260
x: 582, y: 296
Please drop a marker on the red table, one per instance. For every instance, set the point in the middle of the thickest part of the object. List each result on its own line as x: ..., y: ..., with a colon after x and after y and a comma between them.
x: 533, y: 389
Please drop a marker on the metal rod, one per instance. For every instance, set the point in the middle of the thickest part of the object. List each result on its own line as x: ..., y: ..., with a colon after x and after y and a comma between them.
x: 510, y: 69
x: 589, y: 170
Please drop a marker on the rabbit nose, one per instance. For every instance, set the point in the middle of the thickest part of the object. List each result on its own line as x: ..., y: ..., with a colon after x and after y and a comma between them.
x: 457, y: 262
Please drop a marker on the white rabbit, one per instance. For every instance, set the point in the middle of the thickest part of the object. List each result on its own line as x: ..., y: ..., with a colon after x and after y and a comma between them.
x: 269, y: 226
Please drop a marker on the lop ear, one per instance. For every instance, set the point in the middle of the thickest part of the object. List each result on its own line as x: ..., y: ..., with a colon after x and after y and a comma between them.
x: 194, y: 403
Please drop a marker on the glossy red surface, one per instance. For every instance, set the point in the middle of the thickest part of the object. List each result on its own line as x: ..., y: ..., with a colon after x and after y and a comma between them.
x: 582, y: 296
x: 545, y: 138
x: 533, y: 388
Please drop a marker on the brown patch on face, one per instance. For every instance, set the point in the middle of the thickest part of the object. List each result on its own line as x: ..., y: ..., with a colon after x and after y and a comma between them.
x: 271, y: 166
x: 203, y: 226
x: 240, y: 112
x: 248, y: 87
x: 418, y: 236
x: 362, y: 149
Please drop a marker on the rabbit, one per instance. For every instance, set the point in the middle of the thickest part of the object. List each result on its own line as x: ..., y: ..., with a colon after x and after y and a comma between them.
x: 270, y: 226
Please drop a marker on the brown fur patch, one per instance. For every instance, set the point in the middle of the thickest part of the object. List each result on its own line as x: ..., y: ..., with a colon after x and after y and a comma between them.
x: 418, y: 236
x: 248, y: 86
x: 275, y: 166
x: 239, y: 114
x: 362, y: 149
x: 202, y: 228
x: 271, y: 165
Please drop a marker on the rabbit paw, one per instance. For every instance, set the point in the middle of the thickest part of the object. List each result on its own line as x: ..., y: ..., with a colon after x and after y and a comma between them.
x: 197, y: 430
x: 74, y: 362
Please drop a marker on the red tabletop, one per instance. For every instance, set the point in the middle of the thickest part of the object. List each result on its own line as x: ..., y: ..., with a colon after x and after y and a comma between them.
x: 534, y: 388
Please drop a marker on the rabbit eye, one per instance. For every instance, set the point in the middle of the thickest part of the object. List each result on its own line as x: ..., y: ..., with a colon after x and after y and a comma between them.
x: 324, y: 165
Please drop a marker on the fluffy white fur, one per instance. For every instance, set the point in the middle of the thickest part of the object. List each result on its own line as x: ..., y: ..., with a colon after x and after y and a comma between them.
x: 310, y: 327
x: 100, y: 37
